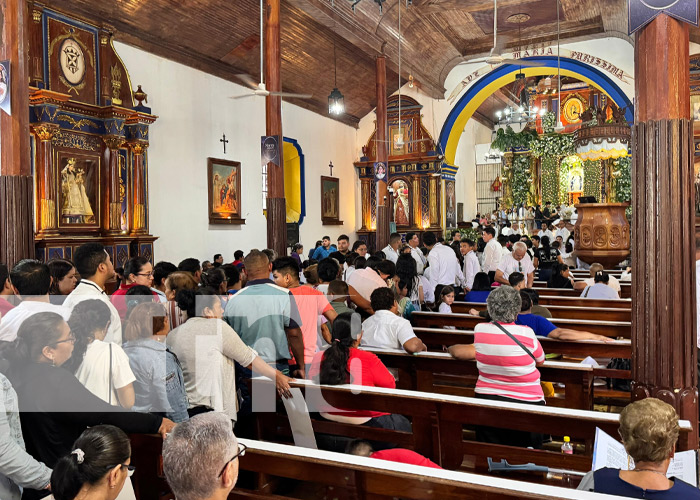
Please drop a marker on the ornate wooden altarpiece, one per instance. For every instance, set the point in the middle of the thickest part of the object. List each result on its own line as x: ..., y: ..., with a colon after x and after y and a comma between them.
x: 422, y: 188
x: 89, y: 141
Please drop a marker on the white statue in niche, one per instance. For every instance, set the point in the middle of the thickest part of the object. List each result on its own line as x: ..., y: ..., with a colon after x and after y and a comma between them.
x: 76, y: 205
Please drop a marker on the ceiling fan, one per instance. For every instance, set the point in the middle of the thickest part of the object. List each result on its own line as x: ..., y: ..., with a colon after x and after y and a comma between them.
x: 258, y: 88
x: 495, y: 58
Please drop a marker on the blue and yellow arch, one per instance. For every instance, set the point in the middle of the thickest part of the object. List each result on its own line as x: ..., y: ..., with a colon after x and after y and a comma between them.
x: 484, y: 87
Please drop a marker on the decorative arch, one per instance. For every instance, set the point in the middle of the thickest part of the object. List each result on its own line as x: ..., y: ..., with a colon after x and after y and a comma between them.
x: 482, y: 88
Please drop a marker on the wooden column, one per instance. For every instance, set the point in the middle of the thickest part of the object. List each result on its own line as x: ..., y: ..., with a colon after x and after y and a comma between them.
x: 415, y: 194
x: 383, y: 202
x: 16, y: 186
x: 111, y: 205
x: 663, y: 243
x: 366, y: 204
x: 276, y: 204
x: 47, y: 220
x: 138, y: 189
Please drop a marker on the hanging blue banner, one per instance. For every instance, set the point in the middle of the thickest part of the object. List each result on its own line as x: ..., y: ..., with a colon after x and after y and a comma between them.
x: 641, y: 12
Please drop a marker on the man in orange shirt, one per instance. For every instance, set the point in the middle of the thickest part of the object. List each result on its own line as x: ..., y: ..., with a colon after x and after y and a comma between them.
x: 312, y: 304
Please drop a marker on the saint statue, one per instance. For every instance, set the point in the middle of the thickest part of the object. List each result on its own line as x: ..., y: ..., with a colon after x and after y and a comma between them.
x: 76, y: 205
x: 401, y: 203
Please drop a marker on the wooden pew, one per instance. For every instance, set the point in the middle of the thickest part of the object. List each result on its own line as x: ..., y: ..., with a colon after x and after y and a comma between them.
x: 625, y: 289
x: 447, y: 415
x: 435, y: 338
x: 348, y: 476
x: 468, y: 322
x: 563, y: 312
x: 554, y: 300
x: 438, y: 372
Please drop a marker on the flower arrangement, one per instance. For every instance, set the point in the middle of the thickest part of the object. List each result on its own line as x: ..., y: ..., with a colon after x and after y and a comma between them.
x: 623, y: 182
x: 548, y: 122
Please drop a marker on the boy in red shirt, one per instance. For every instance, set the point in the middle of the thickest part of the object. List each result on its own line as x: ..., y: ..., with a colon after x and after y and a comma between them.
x: 312, y: 304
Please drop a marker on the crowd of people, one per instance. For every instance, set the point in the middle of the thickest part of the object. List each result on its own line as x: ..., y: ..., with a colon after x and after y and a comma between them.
x: 174, y: 347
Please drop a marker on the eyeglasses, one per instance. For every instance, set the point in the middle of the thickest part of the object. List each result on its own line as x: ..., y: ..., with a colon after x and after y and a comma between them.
x: 241, y: 452
x: 70, y: 339
x: 130, y: 469
x: 145, y: 274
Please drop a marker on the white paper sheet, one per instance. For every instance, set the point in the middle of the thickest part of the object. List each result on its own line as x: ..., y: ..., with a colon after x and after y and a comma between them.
x: 299, y: 420
x: 608, y: 452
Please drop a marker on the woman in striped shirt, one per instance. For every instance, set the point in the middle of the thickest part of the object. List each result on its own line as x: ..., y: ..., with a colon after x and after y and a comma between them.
x: 507, y: 356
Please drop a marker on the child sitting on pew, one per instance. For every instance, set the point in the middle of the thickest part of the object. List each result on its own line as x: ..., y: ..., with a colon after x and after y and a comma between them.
x: 344, y: 363
x: 444, y: 302
x: 363, y: 448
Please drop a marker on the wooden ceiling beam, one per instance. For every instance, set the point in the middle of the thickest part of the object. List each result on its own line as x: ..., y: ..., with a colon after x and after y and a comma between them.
x: 350, y: 27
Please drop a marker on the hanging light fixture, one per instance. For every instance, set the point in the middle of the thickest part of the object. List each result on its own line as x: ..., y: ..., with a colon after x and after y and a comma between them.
x: 336, y: 101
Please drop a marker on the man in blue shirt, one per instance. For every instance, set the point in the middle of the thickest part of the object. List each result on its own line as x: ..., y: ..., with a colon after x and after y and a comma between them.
x: 324, y: 250
x: 545, y: 328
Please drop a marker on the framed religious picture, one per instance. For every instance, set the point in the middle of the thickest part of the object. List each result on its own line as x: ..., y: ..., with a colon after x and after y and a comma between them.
x: 224, y: 188
x: 78, y: 191
x: 330, y: 200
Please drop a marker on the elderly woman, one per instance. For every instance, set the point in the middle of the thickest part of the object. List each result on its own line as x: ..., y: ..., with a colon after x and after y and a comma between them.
x: 507, y: 356
x: 649, y: 430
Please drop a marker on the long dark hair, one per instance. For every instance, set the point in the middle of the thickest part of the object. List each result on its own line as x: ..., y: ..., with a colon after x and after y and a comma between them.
x: 406, y: 270
x: 544, y: 241
x: 214, y: 278
x: 481, y: 283
x: 95, y: 452
x: 188, y: 300
x: 88, y: 317
x: 59, y: 268
x: 334, y: 365
x: 36, y: 332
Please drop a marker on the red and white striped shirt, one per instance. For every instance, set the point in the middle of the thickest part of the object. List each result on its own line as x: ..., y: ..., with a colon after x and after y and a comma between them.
x: 505, y: 369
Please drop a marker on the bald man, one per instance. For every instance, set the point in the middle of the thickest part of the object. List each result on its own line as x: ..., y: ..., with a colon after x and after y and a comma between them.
x: 516, y: 261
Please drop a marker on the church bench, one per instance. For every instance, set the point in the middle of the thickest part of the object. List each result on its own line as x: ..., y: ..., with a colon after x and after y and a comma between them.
x: 438, y: 424
x: 468, y: 322
x: 553, y: 300
x: 563, y: 292
x: 435, y: 338
x: 438, y: 372
x: 625, y: 289
x: 563, y: 312
x: 349, y: 476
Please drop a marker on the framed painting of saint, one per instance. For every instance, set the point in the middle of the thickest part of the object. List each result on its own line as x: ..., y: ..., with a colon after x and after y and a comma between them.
x: 330, y: 200
x: 224, y: 188
x: 78, y: 190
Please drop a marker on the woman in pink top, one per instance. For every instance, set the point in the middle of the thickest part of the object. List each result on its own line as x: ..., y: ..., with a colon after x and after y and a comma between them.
x: 507, y: 356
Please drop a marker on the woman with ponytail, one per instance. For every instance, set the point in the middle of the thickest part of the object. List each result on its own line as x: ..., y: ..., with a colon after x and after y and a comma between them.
x: 211, y: 386
x: 344, y: 363
x: 55, y: 408
x: 96, y: 468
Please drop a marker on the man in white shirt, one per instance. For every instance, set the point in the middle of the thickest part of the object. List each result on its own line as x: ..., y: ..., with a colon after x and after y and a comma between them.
x: 471, y: 262
x: 595, y: 267
x: 95, y: 267
x: 492, y: 253
x: 516, y: 261
x: 31, y: 281
x: 443, y: 262
x: 414, y: 243
x: 561, y: 231
x: 507, y: 230
x: 391, y: 251
x: 367, y: 280
x: 387, y: 330
x: 546, y: 231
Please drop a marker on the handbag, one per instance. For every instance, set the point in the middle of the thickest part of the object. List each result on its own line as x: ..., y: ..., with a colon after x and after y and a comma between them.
x: 547, y: 387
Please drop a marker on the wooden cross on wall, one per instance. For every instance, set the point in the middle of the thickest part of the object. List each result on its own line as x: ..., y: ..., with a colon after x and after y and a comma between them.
x: 330, y: 165
x: 224, y: 141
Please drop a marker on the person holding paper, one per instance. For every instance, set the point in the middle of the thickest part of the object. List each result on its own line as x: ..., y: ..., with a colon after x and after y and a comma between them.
x: 649, y: 430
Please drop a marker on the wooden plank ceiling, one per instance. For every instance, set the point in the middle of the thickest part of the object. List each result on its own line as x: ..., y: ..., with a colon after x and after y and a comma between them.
x: 221, y: 37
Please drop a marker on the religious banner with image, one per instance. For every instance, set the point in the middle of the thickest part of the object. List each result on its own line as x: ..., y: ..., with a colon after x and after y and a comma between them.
x: 5, y: 87
x: 380, y: 171
x: 224, y: 191
x: 330, y: 200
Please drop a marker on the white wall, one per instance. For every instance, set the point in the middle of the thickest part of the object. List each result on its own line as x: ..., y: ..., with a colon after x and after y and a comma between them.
x: 194, y: 111
x: 465, y: 180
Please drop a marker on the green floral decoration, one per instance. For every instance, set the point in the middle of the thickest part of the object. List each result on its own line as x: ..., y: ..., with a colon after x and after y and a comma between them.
x: 521, y: 173
x: 555, y: 145
x: 508, y: 141
x: 623, y: 183
x: 548, y: 122
x: 550, y: 179
x: 591, y: 178
x: 466, y: 232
